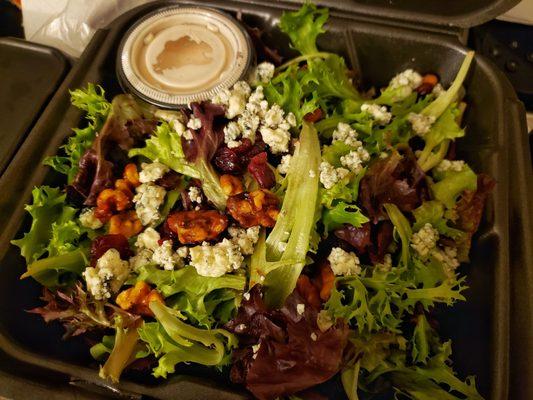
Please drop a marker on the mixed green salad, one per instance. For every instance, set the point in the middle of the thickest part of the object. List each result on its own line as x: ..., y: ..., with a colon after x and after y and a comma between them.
x: 291, y: 230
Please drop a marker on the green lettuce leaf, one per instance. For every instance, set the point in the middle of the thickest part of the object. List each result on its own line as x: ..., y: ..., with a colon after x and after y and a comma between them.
x: 450, y: 184
x: 403, y: 228
x: 433, y: 212
x: 333, y: 153
x: 436, y: 380
x: 422, y: 341
x: 330, y: 76
x: 443, y: 130
x: 346, y: 189
x: 294, y: 226
x: 303, y: 27
x: 204, y: 300
x: 287, y: 91
x: 54, y: 232
x: 165, y: 146
x: 101, y: 349
x: 368, y: 301
x: 125, y: 346
x: 341, y: 214
x: 47, y: 208
x: 60, y: 270
x: 92, y: 101
x: 442, y: 102
x: 173, y: 341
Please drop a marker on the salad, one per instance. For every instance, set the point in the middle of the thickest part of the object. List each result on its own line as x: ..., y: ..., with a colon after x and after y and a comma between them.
x: 290, y: 231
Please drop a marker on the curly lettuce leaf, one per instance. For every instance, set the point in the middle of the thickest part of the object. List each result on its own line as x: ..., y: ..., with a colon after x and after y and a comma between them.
x: 173, y: 341
x: 433, y: 212
x: 333, y: 152
x: 341, y: 214
x: 92, y: 101
x: 54, y: 232
x: 449, y: 185
x: 287, y: 91
x: 436, y: 380
x: 166, y: 146
x: 303, y: 27
x: 47, y: 211
x: 329, y: 75
x: 204, y: 300
x: 368, y: 301
x: 346, y: 189
x: 423, y: 340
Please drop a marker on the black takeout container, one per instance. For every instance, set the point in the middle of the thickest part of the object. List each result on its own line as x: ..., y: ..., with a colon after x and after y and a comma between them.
x: 378, y: 40
x: 24, y: 89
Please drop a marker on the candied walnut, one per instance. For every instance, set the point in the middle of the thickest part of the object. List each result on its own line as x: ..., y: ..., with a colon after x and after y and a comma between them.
x: 101, y: 244
x: 231, y: 185
x: 259, y: 207
x: 137, y: 299
x: 124, y: 186
x: 197, y: 226
x: 131, y: 175
x: 126, y: 223
x: 110, y: 201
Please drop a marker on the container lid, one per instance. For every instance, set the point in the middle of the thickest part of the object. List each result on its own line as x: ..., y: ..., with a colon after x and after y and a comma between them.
x: 30, y: 75
x: 450, y: 13
x: 176, y: 55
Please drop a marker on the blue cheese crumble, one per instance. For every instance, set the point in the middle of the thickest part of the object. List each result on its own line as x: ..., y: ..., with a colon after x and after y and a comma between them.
x: 147, y: 201
x: 447, y: 165
x: 108, y: 276
x: 421, y: 123
x: 151, y: 172
x: 216, y: 260
x: 165, y: 256
x: 344, y: 263
x: 329, y: 175
x: 346, y: 134
x: 89, y: 220
x: 245, y: 239
x: 380, y: 114
x: 425, y: 240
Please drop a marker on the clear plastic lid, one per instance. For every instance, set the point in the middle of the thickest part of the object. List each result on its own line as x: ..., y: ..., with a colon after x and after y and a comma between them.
x: 174, y: 56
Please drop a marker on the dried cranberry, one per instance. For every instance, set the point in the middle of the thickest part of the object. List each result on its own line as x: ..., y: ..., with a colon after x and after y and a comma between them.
x: 261, y: 171
x: 228, y: 161
x: 245, y: 147
x: 101, y: 244
x: 171, y: 180
x: 235, y: 160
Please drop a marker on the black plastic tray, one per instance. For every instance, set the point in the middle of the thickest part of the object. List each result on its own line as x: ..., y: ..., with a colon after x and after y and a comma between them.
x: 24, y: 89
x: 480, y: 328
